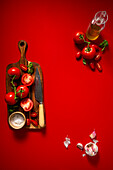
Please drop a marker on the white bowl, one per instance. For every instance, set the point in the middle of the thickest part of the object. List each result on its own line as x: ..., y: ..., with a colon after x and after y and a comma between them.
x: 17, y: 120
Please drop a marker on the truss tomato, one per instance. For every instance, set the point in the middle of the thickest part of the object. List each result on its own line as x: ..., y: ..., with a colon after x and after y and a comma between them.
x: 22, y: 91
x: 88, y: 52
x: 26, y: 104
x: 27, y: 79
x: 10, y: 98
x: 14, y: 71
x: 79, y: 37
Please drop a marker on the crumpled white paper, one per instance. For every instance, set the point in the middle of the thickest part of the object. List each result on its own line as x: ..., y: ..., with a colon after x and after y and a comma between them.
x: 67, y: 142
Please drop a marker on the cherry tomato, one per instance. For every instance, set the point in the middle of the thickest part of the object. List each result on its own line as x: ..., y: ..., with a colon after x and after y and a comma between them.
x: 33, y: 114
x: 92, y: 66
x: 98, y: 57
x: 23, y: 67
x: 28, y: 122
x: 14, y: 71
x: 26, y: 104
x: 78, y: 37
x: 34, y: 122
x: 27, y: 79
x: 9, y: 98
x: 78, y: 55
x: 22, y: 91
x: 88, y: 52
x: 99, y: 67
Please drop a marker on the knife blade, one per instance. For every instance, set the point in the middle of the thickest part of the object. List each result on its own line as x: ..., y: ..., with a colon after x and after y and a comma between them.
x: 39, y: 98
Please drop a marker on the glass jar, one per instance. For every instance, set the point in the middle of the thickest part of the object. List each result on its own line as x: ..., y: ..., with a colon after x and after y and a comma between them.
x: 97, y: 25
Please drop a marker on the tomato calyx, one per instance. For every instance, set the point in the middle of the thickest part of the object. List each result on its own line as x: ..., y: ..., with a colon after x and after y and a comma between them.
x: 88, y: 49
x: 81, y: 37
x: 20, y: 91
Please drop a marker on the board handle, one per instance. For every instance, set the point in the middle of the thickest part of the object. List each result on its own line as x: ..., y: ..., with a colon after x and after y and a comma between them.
x: 22, y: 45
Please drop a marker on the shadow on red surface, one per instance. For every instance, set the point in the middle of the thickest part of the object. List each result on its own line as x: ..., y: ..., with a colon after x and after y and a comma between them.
x: 94, y: 160
x: 23, y: 133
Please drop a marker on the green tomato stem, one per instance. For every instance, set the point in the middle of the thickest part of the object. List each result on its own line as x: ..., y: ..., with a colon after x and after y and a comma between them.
x: 14, y: 86
x: 82, y: 37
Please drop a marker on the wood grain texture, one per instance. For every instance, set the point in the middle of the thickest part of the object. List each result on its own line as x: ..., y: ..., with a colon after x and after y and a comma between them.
x: 23, y: 47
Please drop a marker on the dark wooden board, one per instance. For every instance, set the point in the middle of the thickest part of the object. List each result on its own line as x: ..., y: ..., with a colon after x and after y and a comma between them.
x: 23, y: 47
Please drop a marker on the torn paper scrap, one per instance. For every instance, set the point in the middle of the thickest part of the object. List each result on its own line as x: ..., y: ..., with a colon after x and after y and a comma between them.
x: 67, y: 142
x: 93, y: 135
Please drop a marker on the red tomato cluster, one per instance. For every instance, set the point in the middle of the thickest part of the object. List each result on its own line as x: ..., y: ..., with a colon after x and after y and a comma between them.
x: 90, y: 53
x: 21, y: 91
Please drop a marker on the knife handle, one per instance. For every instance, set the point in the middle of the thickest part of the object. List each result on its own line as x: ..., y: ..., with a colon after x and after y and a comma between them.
x: 41, y: 115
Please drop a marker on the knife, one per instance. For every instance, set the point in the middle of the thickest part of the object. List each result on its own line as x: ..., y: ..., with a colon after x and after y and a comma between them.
x: 39, y: 98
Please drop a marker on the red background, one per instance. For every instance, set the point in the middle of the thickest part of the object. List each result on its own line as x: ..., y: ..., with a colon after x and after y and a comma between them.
x: 77, y: 100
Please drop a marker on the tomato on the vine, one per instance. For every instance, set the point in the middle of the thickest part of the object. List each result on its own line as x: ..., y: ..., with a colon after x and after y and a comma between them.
x: 14, y: 71
x: 79, y: 37
x: 22, y: 91
x: 27, y: 79
x: 10, y: 98
x: 88, y: 52
x: 26, y: 104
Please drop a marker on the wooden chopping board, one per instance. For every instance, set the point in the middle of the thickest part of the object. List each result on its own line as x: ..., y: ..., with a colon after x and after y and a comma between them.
x: 22, y: 45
